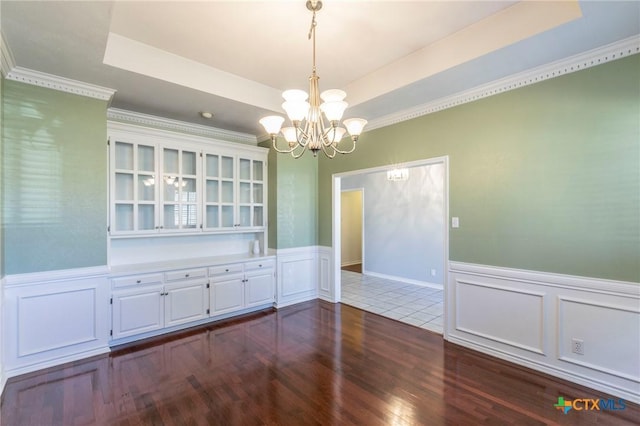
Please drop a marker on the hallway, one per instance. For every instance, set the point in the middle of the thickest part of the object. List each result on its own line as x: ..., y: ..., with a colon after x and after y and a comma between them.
x: 409, y: 303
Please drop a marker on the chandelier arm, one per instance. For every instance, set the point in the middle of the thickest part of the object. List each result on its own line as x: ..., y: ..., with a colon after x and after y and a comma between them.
x: 304, y: 133
x: 274, y: 144
x: 302, y: 151
x: 326, y: 153
x: 339, y: 151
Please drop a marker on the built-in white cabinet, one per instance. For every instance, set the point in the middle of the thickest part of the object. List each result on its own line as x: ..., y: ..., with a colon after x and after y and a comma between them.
x: 152, y: 302
x: 168, y: 183
x: 241, y: 286
x: 147, y: 303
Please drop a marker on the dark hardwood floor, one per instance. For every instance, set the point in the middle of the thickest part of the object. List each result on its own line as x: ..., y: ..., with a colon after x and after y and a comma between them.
x: 310, y: 364
x: 353, y: 268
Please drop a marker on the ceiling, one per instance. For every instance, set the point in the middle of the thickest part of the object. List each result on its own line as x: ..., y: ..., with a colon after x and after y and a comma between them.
x: 175, y: 59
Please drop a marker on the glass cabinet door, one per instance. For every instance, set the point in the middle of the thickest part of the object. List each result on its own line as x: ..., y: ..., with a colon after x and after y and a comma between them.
x: 251, y: 192
x: 179, y: 189
x: 227, y: 192
x: 134, y: 189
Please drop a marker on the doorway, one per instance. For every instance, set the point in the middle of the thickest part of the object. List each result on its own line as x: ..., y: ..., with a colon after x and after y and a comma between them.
x: 351, y: 230
x: 391, y: 252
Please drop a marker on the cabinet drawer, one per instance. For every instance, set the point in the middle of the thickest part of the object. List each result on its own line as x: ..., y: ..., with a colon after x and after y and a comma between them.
x: 235, y: 268
x: 185, y: 274
x: 137, y: 280
x: 259, y: 264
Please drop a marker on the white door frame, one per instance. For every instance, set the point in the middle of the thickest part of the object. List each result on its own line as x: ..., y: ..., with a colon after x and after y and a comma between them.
x: 336, y: 188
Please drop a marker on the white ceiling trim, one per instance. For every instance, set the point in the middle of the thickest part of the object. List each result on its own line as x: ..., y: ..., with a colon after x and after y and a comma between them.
x: 7, y: 62
x: 131, y: 55
x: 611, y: 52
x: 513, y: 24
x: 61, y: 84
x: 122, y: 115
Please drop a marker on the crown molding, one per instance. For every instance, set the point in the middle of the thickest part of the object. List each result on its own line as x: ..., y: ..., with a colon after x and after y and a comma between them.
x: 601, y: 55
x: 6, y: 56
x: 179, y: 126
x: 61, y: 84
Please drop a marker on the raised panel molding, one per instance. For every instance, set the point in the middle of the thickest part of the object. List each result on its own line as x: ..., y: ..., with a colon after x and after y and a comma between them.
x: 481, y: 310
x: 297, y: 275
x: 503, y: 311
x: 599, y: 326
x: 53, y: 318
x: 46, y: 323
x: 326, y: 289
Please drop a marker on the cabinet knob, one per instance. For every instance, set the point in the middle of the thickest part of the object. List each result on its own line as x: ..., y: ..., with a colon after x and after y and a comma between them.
x: 186, y: 275
x: 260, y: 266
x: 138, y: 281
x: 226, y: 270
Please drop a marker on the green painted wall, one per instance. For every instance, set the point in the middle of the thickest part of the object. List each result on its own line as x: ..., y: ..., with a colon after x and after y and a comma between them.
x: 544, y: 178
x: 293, y: 200
x: 54, y: 170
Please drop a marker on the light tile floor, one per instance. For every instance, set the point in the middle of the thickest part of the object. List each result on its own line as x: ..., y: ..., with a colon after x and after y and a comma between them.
x: 409, y: 303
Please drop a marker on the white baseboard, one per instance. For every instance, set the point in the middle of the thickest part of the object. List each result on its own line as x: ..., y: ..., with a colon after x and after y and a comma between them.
x: 350, y: 262
x: 56, y: 361
x: 403, y: 280
x: 531, y: 318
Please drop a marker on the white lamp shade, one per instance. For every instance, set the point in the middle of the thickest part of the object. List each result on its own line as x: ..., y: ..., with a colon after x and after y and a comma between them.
x: 296, y: 110
x: 290, y: 134
x: 333, y: 95
x: 335, y: 134
x: 295, y: 95
x: 272, y: 124
x: 355, y: 125
x: 333, y: 110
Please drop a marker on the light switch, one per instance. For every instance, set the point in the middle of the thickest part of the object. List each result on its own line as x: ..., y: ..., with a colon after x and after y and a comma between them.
x: 455, y: 222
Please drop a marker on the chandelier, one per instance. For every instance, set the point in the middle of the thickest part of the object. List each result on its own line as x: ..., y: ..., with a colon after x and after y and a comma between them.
x: 315, y: 124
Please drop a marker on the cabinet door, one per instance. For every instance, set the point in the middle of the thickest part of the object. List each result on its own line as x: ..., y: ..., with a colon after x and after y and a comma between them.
x: 227, y: 295
x: 134, y: 191
x: 258, y: 288
x: 180, y: 189
x: 251, y: 188
x: 137, y: 311
x: 185, y: 302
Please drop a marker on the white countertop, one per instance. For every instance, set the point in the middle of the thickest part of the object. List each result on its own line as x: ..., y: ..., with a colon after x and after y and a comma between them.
x: 139, y: 268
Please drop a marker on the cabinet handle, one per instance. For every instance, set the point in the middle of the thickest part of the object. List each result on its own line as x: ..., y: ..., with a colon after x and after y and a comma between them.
x: 226, y: 270
x: 186, y: 275
x: 260, y: 266
x: 138, y: 281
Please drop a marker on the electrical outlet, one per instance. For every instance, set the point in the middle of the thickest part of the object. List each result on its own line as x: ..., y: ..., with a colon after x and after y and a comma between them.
x: 577, y: 346
x: 433, y: 272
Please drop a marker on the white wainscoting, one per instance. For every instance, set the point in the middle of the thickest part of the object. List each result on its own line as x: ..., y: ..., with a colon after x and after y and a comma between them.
x: 54, y: 317
x: 530, y: 318
x: 3, y: 376
x: 297, y: 275
x: 326, y: 289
